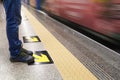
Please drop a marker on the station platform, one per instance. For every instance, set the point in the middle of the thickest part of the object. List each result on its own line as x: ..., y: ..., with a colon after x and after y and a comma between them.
x: 60, y: 52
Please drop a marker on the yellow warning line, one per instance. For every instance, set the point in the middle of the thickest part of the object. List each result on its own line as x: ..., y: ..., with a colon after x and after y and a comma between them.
x: 69, y: 67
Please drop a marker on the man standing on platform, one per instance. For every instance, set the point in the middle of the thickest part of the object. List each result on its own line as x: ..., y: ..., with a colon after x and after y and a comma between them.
x: 13, y: 19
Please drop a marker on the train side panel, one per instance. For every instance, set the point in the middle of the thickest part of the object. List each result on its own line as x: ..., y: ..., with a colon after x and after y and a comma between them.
x: 102, y: 16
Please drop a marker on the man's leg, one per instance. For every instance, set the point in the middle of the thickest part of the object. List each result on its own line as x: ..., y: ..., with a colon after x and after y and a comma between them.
x: 12, y: 26
x: 13, y: 18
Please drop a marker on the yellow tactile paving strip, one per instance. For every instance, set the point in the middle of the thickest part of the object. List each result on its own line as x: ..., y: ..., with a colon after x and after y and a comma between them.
x: 69, y: 67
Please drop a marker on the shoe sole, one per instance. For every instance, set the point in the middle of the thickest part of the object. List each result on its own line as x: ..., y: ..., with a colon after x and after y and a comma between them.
x: 30, y: 61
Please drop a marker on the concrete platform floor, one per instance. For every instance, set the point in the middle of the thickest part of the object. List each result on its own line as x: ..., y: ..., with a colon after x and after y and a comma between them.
x: 22, y: 71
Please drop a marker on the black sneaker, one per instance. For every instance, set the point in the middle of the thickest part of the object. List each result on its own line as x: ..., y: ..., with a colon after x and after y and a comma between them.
x: 23, y: 57
x: 27, y: 51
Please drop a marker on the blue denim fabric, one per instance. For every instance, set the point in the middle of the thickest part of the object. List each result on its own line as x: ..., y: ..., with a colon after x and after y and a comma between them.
x: 13, y: 18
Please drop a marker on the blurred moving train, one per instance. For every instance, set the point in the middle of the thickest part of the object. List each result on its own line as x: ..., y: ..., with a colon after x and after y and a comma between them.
x: 101, y: 16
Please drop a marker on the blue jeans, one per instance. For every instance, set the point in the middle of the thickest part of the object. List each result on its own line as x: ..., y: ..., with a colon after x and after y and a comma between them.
x: 13, y: 18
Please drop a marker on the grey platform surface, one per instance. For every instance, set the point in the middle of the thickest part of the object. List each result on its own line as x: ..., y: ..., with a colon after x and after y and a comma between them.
x: 22, y: 71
